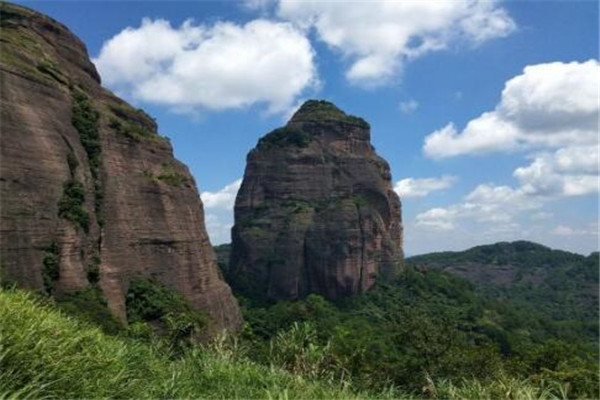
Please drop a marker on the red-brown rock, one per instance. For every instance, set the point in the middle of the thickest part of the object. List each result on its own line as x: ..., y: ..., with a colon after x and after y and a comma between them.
x: 316, y: 212
x: 140, y: 214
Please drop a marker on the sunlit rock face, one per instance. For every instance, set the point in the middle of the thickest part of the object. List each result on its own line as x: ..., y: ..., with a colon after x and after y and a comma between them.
x: 316, y: 212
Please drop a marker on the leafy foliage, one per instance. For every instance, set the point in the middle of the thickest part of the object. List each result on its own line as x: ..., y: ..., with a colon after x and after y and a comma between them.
x: 93, y: 270
x: 51, y: 266
x: 554, y: 294
x: 85, y: 119
x: 321, y: 110
x: 285, y: 137
x: 171, y: 176
x: 50, y: 69
x: 427, y: 324
x: 70, y: 205
x: 90, y: 305
x: 131, y: 129
x: 149, y: 301
x: 44, y: 354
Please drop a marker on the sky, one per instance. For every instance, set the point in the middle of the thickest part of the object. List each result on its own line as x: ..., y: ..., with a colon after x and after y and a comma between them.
x: 487, y: 111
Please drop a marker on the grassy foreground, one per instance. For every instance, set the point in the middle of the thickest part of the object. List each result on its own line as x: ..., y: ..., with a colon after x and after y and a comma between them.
x: 46, y: 354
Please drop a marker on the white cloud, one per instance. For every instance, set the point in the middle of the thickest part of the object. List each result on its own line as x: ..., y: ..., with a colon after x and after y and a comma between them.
x: 571, y: 171
x: 415, y: 187
x: 409, y: 106
x: 377, y: 37
x: 490, y: 205
x: 563, y: 230
x: 548, y: 106
x: 218, y: 228
x: 217, y: 67
x: 223, y: 198
x: 437, y: 218
x: 219, y: 215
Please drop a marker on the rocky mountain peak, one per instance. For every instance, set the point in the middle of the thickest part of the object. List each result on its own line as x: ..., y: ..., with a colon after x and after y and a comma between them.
x: 91, y: 197
x: 316, y: 212
x: 322, y: 111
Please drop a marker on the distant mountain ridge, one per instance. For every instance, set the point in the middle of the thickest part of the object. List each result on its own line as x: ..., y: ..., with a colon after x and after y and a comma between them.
x: 508, y: 263
x: 557, y: 284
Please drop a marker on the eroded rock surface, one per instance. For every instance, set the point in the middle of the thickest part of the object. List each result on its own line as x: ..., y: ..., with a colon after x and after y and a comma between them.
x: 90, y: 193
x: 316, y: 212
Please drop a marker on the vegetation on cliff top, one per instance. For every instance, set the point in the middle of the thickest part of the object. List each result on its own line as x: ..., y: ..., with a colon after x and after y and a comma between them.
x: 312, y: 111
x: 325, y: 111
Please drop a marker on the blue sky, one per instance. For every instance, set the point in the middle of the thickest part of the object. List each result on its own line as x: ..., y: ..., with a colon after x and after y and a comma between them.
x: 486, y: 111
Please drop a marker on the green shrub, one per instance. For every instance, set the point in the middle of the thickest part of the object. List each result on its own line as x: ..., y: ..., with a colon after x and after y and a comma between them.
x: 285, y: 137
x: 90, y: 305
x: 149, y: 301
x: 70, y: 205
x: 171, y: 177
x: 93, y: 270
x: 51, y: 266
x: 131, y: 129
x: 46, y: 355
x: 321, y: 110
x: 85, y: 119
x: 48, y: 68
x: 72, y: 163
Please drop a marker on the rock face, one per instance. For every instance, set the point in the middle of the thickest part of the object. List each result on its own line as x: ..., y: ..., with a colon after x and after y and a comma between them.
x: 316, y: 212
x: 90, y: 193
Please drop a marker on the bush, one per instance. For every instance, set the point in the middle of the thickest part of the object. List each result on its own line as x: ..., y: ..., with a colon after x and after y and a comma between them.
x: 85, y: 119
x: 44, y: 354
x: 149, y: 301
x: 93, y: 270
x: 171, y: 177
x: 130, y: 129
x: 70, y: 205
x: 285, y: 137
x: 51, y: 266
x: 90, y: 305
x: 321, y: 110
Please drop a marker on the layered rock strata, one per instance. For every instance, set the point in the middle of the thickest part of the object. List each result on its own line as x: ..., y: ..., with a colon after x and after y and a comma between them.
x: 90, y: 194
x: 316, y: 212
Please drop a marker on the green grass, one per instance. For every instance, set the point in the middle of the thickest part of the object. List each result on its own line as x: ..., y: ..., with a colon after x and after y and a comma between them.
x: 131, y: 129
x: 171, y: 176
x: 45, y: 354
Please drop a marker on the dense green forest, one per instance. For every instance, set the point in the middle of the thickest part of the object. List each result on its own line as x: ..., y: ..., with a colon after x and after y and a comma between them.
x: 428, y: 334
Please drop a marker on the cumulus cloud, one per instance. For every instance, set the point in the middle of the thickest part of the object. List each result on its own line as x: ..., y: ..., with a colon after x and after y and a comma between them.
x: 223, y: 198
x: 218, y: 228
x: 494, y: 206
x: 571, y: 171
x: 420, y: 187
x: 216, y: 67
x: 547, y: 106
x: 219, y: 211
x: 409, y: 106
x: 563, y: 230
x: 377, y: 37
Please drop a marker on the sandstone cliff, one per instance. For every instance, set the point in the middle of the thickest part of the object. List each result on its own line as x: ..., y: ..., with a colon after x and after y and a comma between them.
x: 90, y: 193
x: 316, y: 212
